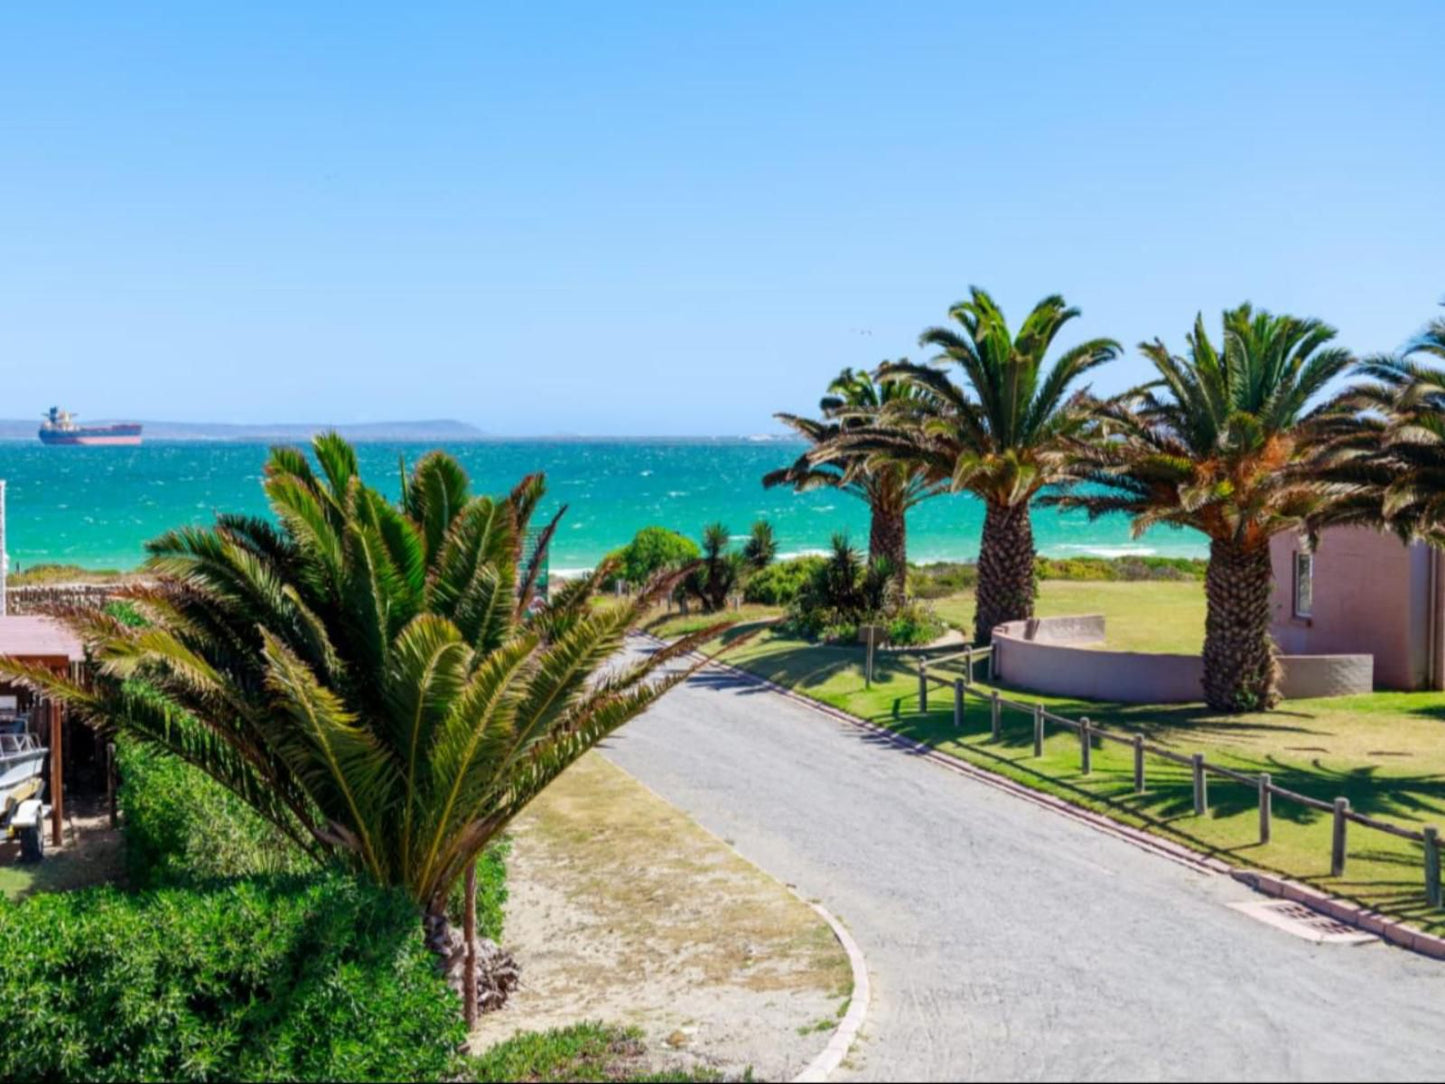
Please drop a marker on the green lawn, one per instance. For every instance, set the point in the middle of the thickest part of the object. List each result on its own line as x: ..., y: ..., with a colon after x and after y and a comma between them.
x: 1384, y: 752
x: 1157, y: 616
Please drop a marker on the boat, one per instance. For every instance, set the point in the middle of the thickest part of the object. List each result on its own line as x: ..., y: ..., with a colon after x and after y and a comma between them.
x: 22, y: 786
x: 21, y: 757
x: 59, y: 427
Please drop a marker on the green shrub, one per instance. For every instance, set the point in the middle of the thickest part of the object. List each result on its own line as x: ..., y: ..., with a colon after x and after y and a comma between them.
x: 651, y: 550
x: 282, y: 978
x: 941, y: 579
x: 779, y: 584
x: 182, y: 826
x: 590, y: 1051
x: 914, y: 625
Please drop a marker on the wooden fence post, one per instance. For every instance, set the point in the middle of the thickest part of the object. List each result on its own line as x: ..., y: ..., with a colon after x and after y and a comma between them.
x: 1337, y: 852
x: 922, y: 685
x: 1038, y: 730
x: 1265, y: 806
x: 967, y: 664
x: 110, y: 787
x: 1138, y: 763
x: 994, y: 721
x: 1432, y: 865
x: 1086, y: 746
x: 1201, y: 787
x: 988, y: 669
x: 868, y: 669
x: 958, y: 684
x: 57, y: 773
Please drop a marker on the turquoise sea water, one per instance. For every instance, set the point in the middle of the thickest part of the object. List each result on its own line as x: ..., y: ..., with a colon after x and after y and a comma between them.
x: 96, y: 506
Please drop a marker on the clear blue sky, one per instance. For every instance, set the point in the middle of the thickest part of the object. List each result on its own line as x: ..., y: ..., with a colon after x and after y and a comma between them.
x: 678, y: 218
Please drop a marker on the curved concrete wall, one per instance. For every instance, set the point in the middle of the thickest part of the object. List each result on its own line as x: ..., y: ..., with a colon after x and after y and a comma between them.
x: 1048, y: 655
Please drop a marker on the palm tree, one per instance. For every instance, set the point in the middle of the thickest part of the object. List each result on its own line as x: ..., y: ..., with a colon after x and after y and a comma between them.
x: 1001, y: 436
x: 1393, y: 445
x: 1227, y: 442
x: 376, y: 680
x: 853, y: 402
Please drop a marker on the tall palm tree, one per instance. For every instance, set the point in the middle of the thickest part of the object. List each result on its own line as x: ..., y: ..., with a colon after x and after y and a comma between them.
x: 1001, y: 435
x: 1227, y: 441
x: 376, y: 680
x: 855, y: 401
x: 1393, y: 445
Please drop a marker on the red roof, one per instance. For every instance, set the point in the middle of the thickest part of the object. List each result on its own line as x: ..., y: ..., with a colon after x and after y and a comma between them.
x: 35, y: 636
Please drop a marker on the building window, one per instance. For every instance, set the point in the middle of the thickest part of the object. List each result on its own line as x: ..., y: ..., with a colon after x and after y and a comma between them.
x: 1304, y: 584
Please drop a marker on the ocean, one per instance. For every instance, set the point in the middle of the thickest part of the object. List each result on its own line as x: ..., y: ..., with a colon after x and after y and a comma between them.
x: 96, y: 507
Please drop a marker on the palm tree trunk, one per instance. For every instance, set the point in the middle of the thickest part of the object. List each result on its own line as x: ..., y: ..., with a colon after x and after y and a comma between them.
x: 1241, y: 672
x: 494, y: 972
x: 888, y: 540
x: 1005, y: 569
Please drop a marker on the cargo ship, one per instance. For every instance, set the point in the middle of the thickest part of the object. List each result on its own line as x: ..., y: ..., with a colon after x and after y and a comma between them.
x: 59, y: 428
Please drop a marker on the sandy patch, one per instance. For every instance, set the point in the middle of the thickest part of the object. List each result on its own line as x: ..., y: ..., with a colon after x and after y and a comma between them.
x: 623, y: 910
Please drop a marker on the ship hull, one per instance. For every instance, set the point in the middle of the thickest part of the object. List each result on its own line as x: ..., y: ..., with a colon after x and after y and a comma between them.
x: 126, y: 435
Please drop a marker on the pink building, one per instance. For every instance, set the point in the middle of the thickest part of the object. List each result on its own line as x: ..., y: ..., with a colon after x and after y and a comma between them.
x: 1363, y: 591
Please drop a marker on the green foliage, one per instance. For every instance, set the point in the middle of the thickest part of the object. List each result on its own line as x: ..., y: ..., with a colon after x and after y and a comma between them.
x: 318, y: 978
x: 842, y: 592
x: 125, y: 613
x: 913, y: 625
x: 652, y: 550
x: 491, y: 891
x: 761, y: 547
x: 182, y: 826
x: 583, y: 1052
x: 372, y: 678
x: 779, y: 584
x: 939, y: 580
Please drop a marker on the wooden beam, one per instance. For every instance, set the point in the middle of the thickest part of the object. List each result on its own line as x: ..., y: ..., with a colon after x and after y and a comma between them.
x: 57, y: 775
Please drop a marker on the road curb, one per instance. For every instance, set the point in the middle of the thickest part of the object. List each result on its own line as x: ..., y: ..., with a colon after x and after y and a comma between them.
x: 846, y: 1033
x: 1364, y: 918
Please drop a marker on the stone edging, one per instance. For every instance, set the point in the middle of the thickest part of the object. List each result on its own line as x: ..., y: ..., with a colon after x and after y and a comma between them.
x: 846, y: 1033
x: 1364, y: 918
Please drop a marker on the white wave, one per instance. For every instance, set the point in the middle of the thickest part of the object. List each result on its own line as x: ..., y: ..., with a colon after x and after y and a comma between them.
x: 1109, y: 551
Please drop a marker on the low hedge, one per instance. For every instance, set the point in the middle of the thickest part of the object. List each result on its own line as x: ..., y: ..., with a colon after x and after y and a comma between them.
x: 183, y: 826
x: 779, y: 583
x: 279, y: 978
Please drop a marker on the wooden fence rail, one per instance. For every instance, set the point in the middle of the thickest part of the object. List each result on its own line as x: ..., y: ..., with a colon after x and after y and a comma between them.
x: 1091, y: 734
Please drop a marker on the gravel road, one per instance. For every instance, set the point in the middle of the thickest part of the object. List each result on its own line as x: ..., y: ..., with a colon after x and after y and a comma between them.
x: 1006, y: 942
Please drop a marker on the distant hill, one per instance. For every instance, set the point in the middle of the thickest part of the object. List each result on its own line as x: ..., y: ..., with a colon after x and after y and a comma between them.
x: 438, y: 430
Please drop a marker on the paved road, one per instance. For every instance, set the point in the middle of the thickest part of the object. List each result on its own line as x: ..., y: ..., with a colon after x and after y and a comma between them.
x: 1009, y: 943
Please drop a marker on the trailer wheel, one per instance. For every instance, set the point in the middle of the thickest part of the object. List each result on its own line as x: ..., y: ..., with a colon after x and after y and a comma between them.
x: 32, y: 843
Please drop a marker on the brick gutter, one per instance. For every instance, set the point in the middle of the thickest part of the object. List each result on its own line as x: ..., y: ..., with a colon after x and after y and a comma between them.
x: 1364, y: 918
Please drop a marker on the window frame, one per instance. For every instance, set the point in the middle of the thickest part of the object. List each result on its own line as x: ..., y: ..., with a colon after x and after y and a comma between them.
x: 1304, y: 562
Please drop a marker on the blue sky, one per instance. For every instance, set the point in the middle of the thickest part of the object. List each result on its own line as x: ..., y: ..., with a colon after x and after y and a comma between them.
x: 676, y: 219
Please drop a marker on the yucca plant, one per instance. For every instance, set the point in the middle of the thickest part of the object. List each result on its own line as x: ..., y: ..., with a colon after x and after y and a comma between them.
x: 377, y: 680
x: 890, y: 488
x: 1230, y: 441
x: 1001, y: 435
x: 722, y: 570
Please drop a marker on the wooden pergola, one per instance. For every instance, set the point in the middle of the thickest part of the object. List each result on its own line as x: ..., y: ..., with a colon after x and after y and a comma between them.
x: 44, y: 641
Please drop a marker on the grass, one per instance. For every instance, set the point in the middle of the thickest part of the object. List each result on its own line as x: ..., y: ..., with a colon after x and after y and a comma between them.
x: 1159, y: 616
x: 1385, y: 752
x: 96, y: 856
x: 583, y: 1052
